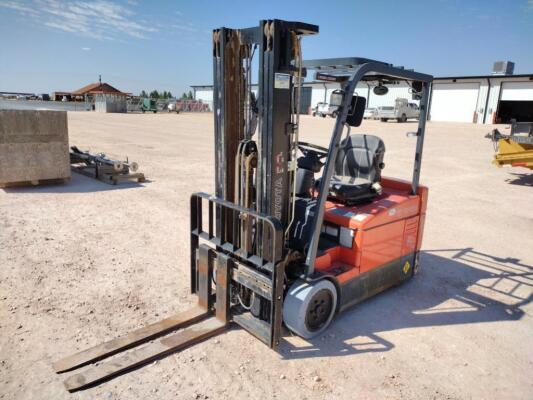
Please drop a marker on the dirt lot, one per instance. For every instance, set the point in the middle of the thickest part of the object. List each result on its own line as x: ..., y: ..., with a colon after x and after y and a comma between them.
x: 84, y: 262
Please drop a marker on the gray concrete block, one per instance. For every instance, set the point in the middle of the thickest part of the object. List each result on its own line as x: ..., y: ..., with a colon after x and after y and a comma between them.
x: 33, y: 146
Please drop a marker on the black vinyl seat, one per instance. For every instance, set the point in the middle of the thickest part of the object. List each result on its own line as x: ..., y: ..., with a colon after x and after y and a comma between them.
x: 358, y: 169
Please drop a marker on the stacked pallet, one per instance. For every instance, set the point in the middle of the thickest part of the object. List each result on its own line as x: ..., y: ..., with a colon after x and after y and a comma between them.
x: 33, y: 147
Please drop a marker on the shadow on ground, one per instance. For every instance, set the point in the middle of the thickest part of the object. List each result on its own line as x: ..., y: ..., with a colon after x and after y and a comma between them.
x: 76, y: 184
x: 521, y: 179
x: 454, y: 286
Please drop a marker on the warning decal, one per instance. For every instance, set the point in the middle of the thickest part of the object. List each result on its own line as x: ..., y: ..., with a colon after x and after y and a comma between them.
x: 282, y: 81
x: 406, y: 267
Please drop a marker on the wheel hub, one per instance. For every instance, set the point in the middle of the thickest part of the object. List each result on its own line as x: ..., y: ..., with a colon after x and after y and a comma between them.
x: 319, y: 310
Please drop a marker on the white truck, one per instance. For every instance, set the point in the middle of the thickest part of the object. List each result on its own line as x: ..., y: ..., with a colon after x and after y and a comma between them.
x: 324, y: 109
x: 401, y: 111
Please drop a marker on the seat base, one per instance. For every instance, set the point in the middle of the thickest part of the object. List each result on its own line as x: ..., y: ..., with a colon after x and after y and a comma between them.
x: 351, y: 190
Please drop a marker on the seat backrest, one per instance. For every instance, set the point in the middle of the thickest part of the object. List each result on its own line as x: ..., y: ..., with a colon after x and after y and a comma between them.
x: 361, y: 156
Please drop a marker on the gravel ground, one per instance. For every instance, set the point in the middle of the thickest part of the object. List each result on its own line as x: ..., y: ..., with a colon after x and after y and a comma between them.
x: 84, y: 262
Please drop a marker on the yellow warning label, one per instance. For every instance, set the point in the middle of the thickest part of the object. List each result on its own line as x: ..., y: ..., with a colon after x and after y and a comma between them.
x: 406, y: 267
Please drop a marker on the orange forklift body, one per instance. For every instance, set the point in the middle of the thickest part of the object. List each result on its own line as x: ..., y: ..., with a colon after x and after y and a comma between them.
x: 387, y: 235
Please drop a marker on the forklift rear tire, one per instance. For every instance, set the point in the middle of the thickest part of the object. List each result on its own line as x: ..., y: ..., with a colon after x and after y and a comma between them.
x: 309, y: 307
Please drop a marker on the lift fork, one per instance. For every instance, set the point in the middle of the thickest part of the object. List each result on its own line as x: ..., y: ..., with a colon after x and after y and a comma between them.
x: 194, y: 324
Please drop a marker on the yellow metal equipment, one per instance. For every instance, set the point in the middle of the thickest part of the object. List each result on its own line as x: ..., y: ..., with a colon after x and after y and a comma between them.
x: 515, y: 149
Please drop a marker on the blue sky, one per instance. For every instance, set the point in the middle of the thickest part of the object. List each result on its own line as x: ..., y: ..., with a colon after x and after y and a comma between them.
x: 50, y: 45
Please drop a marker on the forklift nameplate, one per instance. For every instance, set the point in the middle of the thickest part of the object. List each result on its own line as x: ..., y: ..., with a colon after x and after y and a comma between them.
x: 282, y: 81
x: 320, y: 76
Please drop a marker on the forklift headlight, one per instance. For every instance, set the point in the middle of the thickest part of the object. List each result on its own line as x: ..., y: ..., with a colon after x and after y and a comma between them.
x: 346, y: 237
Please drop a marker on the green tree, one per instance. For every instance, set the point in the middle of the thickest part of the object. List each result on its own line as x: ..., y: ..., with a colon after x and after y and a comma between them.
x: 189, y: 96
x: 184, y: 96
x: 154, y: 94
x: 169, y: 95
x: 143, y: 94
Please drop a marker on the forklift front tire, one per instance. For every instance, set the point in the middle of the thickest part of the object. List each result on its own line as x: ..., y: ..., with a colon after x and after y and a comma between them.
x: 309, y: 307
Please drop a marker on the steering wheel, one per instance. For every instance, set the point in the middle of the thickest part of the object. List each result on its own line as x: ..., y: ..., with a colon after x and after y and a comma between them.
x: 307, y: 148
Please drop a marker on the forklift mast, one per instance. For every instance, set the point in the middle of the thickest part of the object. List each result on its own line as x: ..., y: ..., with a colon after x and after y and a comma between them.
x: 237, y: 112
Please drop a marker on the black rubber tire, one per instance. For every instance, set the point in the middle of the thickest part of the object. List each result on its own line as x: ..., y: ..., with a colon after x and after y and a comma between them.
x: 383, y: 119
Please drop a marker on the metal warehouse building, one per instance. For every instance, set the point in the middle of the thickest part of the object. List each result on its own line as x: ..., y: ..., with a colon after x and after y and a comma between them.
x: 484, y: 99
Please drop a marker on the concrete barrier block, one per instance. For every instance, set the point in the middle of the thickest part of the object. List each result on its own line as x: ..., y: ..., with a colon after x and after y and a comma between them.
x: 33, y: 146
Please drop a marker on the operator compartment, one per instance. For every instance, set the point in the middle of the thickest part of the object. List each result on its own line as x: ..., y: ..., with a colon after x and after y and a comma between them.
x: 369, y: 221
x: 358, y: 238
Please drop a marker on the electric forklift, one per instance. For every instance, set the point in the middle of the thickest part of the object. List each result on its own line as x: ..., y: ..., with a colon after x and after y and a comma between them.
x: 294, y: 232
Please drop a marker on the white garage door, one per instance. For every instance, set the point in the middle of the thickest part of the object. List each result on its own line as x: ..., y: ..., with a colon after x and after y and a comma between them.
x: 204, y: 95
x: 518, y: 91
x: 317, y: 95
x: 455, y: 102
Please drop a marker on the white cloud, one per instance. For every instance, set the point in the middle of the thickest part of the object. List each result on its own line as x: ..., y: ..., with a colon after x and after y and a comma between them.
x: 98, y: 19
x: 18, y: 6
x: 86, y: 48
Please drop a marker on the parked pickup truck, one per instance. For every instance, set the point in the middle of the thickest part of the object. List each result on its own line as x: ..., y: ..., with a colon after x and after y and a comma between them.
x: 401, y: 111
x: 370, y: 113
x: 324, y: 109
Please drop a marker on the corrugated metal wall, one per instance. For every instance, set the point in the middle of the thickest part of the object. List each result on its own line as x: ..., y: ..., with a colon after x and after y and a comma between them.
x: 110, y: 104
x: 305, y: 100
